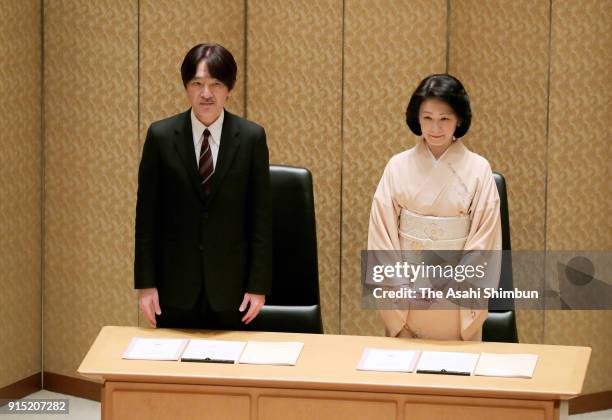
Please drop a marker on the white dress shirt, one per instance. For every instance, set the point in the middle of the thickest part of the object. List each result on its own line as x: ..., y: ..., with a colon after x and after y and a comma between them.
x: 215, y: 128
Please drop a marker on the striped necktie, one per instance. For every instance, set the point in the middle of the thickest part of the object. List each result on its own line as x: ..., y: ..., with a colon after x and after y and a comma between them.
x: 205, y: 164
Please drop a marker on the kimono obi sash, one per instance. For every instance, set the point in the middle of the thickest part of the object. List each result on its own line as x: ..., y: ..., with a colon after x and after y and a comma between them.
x: 430, y: 232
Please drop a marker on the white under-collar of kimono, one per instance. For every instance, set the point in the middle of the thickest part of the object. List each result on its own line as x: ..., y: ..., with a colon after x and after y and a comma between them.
x: 456, y: 148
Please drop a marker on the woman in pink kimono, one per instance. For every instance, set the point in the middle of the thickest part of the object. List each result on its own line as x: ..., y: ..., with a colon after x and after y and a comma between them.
x: 436, y: 195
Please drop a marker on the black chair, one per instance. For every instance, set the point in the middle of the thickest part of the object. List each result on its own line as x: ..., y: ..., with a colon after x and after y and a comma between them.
x: 500, y: 324
x: 294, y: 304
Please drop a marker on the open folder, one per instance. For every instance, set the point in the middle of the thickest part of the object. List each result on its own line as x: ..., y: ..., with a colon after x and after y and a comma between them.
x: 213, y: 351
x: 447, y: 363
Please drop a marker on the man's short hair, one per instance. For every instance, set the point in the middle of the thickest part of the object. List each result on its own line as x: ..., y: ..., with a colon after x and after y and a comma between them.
x: 219, y: 61
x: 445, y: 88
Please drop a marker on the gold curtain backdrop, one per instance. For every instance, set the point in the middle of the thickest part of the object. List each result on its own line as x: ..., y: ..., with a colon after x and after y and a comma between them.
x: 329, y: 80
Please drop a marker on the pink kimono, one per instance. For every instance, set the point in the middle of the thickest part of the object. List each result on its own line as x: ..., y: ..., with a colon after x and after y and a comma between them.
x: 454, y: 192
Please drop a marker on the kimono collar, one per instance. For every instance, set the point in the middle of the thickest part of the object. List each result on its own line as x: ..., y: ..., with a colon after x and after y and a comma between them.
x: 454, y: 151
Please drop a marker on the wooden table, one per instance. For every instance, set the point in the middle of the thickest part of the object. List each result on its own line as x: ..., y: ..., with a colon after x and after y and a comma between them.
x: 325, y: 384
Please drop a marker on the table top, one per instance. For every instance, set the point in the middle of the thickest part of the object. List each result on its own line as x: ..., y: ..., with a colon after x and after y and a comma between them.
x: 328, y: 362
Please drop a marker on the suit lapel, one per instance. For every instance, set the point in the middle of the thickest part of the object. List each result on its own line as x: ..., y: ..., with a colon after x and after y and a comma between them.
x: 183, y: 142
x: 230, y: 141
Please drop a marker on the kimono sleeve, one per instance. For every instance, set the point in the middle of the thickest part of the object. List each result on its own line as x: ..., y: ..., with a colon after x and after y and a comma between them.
x: 383, y: 227
x: 383, y: 235
x: 485, y: 226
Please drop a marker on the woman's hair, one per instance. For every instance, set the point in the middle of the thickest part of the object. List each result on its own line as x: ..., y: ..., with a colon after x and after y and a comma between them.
x: 445, y: 88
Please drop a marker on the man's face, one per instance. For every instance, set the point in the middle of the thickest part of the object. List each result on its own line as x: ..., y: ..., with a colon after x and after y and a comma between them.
x: 206, y: 95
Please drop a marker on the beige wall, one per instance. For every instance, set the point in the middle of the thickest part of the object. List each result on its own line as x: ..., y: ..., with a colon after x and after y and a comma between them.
x: 579, y: 189
x: 329, y: 80
x: 20, y: 194
x: 91, y: 159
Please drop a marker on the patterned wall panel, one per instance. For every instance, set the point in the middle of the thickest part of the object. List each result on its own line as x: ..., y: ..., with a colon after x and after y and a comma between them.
x: 91, y: 150
x: 499, y: 49
x: 389, y: 47
x: 579, y: 187
x: 168, y: 29
x: 295, y: 90
x: 20, y: 207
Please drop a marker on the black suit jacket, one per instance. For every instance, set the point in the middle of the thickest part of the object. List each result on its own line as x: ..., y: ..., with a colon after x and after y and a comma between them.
x: 186, y: 240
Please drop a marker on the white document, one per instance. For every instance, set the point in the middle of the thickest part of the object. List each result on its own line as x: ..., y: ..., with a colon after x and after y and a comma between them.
x: 450, y: 363
x: 155, y: 348
x: 213, y: 351
x: 506, y: 365
x: 271, y: 353
x: 385, y: 360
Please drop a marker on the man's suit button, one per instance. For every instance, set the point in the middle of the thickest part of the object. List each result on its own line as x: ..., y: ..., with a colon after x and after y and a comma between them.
x: 205, y: 215
x: 201, y: 247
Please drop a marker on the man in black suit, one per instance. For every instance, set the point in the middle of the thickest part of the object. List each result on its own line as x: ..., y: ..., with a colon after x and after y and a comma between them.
x: 203, y: 213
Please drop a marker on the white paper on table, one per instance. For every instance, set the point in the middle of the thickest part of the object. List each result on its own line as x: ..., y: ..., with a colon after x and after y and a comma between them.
x: 271, y: 352
x: 386, y: 360
x: 213, y: 350
x: 155, y: 348
x: 506, y: 365
x: 446, y: 361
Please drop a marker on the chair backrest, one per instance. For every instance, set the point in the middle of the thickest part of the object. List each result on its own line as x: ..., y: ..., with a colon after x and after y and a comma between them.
x: 295, y: 275
x: 501, y: 322
x: 505, y: 280
x: 293, y: 305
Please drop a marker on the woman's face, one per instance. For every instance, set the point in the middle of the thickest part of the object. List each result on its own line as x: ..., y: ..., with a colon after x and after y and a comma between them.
x: 438, y: 123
